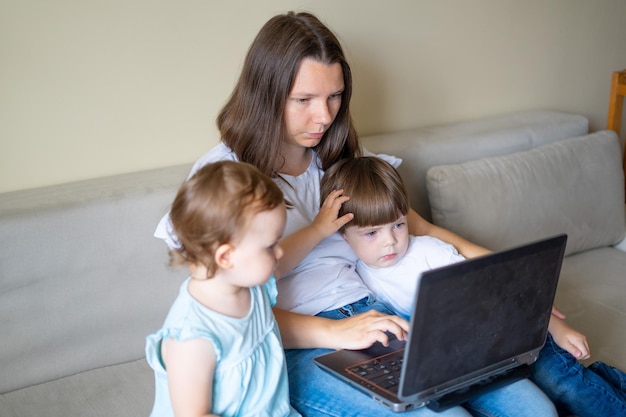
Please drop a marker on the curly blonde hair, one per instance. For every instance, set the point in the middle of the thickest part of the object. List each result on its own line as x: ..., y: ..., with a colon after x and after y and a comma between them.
x: 215, y: 206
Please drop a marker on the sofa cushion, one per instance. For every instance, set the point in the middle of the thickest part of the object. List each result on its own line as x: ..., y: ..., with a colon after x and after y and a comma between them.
x: 575, y: 186
x: 454, y: 143
x: 121, y: 390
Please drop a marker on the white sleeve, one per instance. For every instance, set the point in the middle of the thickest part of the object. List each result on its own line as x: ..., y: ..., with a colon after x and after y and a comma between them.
x: 164, y: 229
x: 393, y: 160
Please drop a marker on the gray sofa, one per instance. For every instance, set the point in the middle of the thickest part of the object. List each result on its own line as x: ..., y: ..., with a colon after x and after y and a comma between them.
x: 83, y: 281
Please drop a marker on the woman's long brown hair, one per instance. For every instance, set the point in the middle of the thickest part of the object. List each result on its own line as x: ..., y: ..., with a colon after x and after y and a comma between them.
x: 252, y: 122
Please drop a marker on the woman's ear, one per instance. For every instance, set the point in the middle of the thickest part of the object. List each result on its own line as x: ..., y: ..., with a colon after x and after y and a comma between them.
x: 223, y: 256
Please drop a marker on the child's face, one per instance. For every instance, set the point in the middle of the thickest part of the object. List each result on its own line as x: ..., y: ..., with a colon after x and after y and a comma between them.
x: 379, y: 246
x: 255, y: 256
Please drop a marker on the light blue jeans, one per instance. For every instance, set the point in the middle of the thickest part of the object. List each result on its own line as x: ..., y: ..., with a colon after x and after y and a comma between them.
x: 314, y: 392
x: 598, y: 390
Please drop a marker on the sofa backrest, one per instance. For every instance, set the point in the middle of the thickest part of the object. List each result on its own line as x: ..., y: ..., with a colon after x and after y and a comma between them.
x: 83, y: 280
x: 453, y: 143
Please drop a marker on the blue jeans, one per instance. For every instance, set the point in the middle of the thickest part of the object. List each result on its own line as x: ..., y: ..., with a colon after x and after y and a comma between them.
x: 314, y: 392
x: 598, y: 390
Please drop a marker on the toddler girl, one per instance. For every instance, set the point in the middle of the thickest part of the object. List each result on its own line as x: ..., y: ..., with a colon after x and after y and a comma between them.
x: 219, y: 351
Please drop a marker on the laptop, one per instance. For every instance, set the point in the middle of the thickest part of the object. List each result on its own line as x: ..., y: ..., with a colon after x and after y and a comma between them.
x: 476, y: 325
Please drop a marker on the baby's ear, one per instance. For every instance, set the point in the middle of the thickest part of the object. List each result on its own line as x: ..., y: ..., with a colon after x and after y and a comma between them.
x: 223, y: 256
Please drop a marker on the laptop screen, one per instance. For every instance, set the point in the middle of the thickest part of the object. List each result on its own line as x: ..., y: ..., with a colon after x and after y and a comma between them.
x: 505, y: 304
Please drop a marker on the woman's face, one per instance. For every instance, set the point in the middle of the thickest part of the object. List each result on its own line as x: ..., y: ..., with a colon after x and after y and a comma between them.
x: 313, y: 102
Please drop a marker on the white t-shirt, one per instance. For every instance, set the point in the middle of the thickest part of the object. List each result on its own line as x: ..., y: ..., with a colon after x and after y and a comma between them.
x: 395, y: 285
x: 326, y: 278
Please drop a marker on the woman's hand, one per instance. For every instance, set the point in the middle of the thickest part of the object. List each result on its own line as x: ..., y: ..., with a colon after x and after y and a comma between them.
x: 300, y: 331
x: 363, y: 330
x: 297, y: 245
x: 569, y: 339
x: 327, y: 220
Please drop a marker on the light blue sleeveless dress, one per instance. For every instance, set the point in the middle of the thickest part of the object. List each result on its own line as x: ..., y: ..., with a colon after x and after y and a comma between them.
x: 250, y: 376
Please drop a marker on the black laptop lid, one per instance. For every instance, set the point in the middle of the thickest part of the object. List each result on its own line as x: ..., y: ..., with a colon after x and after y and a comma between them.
x: 483, y: 314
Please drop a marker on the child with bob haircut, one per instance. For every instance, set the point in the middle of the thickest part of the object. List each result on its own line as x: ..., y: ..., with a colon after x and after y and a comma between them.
x: 389, y: 259
x: 219, y: 351
x: 390, y: 262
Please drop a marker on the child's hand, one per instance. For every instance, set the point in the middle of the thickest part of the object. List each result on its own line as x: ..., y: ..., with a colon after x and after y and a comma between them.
x: 569, y: 339
x: 326, y: 221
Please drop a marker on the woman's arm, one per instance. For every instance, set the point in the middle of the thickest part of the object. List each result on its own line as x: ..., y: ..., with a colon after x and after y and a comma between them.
x: 300, y: 331
x: 418, y: 226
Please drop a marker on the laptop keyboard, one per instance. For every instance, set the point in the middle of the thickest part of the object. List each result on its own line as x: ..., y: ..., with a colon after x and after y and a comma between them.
x: 382, y: 371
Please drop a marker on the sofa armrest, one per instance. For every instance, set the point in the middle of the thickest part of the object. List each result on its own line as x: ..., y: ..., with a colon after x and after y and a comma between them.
x: 83, y: 280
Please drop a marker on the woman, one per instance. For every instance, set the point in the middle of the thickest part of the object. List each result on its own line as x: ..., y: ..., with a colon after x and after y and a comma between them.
x: 289, y: 116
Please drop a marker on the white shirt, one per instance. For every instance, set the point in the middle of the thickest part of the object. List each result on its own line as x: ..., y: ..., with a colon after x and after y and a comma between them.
x: 326, y: 278
x: 395, y: 285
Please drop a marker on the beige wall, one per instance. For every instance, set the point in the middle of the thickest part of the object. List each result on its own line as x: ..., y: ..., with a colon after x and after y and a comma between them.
x: 100, y: 87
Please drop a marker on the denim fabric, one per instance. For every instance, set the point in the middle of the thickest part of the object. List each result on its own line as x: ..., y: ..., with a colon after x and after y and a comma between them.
x: 595, y: 391
x: 521, y: 398
x: 314, y: 392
